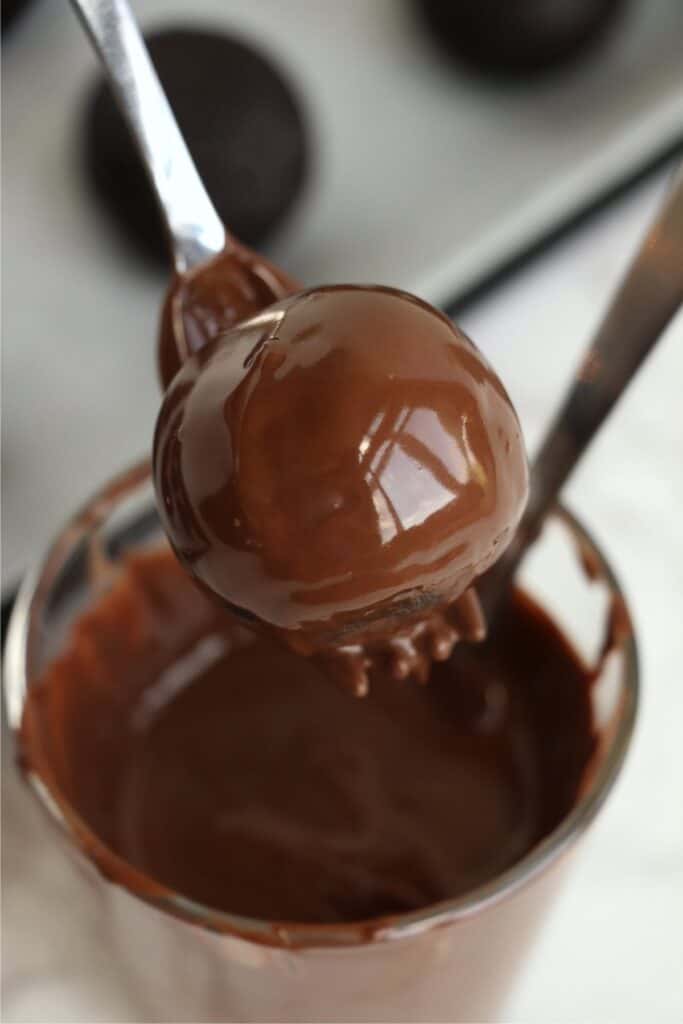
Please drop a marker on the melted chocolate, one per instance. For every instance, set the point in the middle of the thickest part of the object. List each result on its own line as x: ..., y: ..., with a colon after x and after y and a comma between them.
x: 341, y: 468
x: 223, y: 766
x: 209, y: 300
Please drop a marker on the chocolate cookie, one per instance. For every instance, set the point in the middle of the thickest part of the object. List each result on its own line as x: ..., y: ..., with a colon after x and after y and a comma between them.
x: 518, y: 37
x: 241, y: 121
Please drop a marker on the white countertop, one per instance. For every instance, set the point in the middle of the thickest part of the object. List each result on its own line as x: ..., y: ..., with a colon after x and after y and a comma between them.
x: 611, y: 951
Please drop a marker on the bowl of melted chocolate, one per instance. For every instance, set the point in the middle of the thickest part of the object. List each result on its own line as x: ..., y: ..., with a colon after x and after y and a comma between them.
x: 274, y: 848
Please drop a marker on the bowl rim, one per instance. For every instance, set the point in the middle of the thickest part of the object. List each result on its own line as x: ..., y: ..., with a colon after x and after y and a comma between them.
x: 114, y: 869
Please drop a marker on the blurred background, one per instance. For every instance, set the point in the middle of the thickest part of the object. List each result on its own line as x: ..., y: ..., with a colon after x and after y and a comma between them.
x: 349, y: 141
x: 501, y: 159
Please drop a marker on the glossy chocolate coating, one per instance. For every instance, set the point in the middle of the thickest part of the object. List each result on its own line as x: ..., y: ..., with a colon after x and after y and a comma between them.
x: 214, y: 761
x: 213, y: 297
x: 342, y: 464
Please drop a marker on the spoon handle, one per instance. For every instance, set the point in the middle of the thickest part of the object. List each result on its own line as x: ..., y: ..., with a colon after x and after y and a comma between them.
x: 195, y: 229
x: 647, y: 298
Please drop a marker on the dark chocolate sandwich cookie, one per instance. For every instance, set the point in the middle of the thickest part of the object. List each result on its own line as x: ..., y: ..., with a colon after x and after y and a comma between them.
x: 242, y: 123
x: 518, y: 37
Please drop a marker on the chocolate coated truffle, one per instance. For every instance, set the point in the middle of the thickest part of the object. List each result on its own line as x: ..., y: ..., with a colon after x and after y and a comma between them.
x: 341, y: 459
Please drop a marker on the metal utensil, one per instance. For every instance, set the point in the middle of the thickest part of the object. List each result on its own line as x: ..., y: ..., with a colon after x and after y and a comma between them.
x: 195, y: 229
x: 648, y: 297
